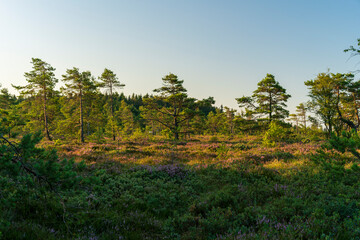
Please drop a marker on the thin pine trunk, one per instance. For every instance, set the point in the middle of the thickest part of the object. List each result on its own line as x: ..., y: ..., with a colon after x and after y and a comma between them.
x: 45, y: 117
x: 81, y: 119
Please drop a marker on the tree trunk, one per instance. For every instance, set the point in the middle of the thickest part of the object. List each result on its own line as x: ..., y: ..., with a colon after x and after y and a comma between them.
x: 176, y: 125
x: 152, y: 126
x: 47, y: 134
x: 344, y: 120
x: 270, y: 107
x: 330, y: 129
x: 81, y: 119
x: 112, y: 113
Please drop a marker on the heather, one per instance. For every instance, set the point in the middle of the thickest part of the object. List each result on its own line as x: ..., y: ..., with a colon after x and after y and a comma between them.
x: 234, y: 188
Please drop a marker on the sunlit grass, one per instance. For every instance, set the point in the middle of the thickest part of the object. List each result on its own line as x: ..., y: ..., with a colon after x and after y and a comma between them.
x: 292, y: 165
x: 197, y: 152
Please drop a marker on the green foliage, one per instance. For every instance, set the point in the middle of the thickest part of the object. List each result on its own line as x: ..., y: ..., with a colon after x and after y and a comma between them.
x: 110, y: 82
x: 138, y: 135
x: 41, y: 83
x: 109, y: 200
x: 355, y: 51
x: 172, y: 108
x: 222, y: 151
x: 79, y: 84
x: 30, y: 182
x: 214, y: 139
x: 275, y: 134
x: 346, y: 142
x: 268, y: 100
x: 334, y: 98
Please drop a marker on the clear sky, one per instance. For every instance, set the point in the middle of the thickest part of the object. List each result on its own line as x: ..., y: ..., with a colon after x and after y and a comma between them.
x: 219, y: 48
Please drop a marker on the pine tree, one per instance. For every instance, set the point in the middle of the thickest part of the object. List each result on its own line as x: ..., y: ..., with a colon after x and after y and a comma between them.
x: 41, y: 82
x: 79, y: 83
x: 172, y: 107
x: 216, y: 122
x: 268, y: 100
x: 110, y: 82
x: 301, y: 110
x: 335, y: 99
x: 126, y: 118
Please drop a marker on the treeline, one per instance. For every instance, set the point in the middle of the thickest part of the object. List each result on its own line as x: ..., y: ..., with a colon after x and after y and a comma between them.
x: 91, y: 108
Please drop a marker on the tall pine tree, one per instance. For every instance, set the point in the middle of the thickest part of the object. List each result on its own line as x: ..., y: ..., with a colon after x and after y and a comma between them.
x: 268, y: 100
x: 110, y: 82
x: 79, y: 83
x: 41, y: 82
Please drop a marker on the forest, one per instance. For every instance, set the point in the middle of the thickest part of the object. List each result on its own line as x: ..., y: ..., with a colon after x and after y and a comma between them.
x: 88, y: 162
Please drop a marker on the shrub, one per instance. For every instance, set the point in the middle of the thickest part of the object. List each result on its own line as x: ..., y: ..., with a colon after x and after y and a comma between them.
x: 276, y: 133
x: 346, y: 142
x: 214, y: 139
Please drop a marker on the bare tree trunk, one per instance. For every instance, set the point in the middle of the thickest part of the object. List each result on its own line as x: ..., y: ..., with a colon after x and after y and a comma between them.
x: 153, y: 128
x: 270, y: 107
x: 176, y: 125
x: 81, y: 119
x: 47, y: 134
x: 112, y: 112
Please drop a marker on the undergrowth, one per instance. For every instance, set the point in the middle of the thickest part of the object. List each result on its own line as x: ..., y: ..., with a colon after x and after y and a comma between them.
x: 277, y: 195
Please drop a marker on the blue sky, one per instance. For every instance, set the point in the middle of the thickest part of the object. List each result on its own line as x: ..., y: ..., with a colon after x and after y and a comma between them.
x: 219, y: 48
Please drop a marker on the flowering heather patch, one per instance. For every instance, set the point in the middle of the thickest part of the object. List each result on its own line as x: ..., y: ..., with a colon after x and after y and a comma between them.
x: 223, y: 153
x: 234, y: 188
x: 172, y: 170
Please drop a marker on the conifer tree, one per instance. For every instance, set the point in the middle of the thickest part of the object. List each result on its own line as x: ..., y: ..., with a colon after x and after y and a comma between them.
x: 171, y: 107
x: 110, y: 82
x: 216, y: 122
x: 335, y: 99
x: 268, y: 100
x: 79, y: 83
x: 41, y: 82
x: 301, y: 110
x: 9, y: 117
x: 126, y: 118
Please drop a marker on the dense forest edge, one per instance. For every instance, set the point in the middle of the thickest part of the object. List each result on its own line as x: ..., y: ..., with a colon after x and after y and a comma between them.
x: 86, y: 162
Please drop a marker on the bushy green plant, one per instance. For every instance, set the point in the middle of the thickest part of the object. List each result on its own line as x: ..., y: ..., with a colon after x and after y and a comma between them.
x: 214, y: 139
x: 276, y: 133
x: 346, y: 142
x: 222, y: 151
x: 31, y: 181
